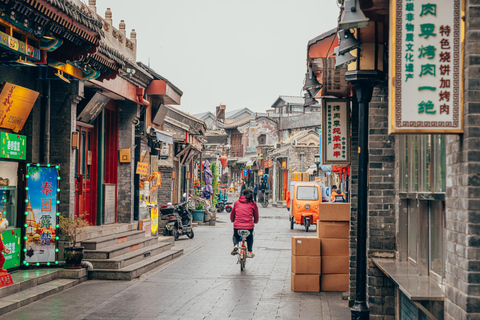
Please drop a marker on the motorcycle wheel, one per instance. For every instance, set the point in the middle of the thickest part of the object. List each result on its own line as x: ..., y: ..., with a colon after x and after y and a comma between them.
x: 175, y: 234
x: 265, y: 204
x: 190, y: 234
x: 292, y: 222
x: 307, y: 224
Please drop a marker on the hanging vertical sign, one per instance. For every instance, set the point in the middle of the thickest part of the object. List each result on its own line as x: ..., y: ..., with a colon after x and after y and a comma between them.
x: 335, y: 131
x: 41, y: 214
x: 426, y: 67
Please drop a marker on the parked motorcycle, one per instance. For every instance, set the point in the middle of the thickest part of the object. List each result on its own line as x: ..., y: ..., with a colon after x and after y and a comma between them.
x: 179, y: 220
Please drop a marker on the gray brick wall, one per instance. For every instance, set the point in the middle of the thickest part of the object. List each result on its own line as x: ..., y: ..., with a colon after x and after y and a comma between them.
x: 63, y: 122
x: 126, y: 171
x: 381, y: 206
x: 353, y: 202
x: 164, y: 194
x: 462, y: 287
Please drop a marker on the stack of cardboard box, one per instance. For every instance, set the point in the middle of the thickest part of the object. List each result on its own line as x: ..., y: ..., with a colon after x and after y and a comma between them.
x: 333, y: 230
x: 306, y: 264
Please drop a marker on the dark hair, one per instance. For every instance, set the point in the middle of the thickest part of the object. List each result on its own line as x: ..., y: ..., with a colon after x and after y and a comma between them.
x: 334, y: 186
x: 248, y: 193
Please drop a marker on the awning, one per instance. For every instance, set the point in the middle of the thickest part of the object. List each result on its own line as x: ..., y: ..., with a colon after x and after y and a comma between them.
x: 243, y: 160
x: 164, y: 136
x: 249, y: 163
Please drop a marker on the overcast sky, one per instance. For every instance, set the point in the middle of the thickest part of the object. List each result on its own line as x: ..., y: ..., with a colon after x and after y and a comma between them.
x: 242, y: 53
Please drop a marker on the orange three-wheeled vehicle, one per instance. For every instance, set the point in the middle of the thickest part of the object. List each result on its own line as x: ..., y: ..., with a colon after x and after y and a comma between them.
x: 303, y: 201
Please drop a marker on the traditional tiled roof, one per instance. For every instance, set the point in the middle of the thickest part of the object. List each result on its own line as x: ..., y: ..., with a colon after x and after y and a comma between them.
x: 233, y: 113
x: 322, y: 36
x: 159, y: 77
x: 79, y: 14
x: 238, y: 123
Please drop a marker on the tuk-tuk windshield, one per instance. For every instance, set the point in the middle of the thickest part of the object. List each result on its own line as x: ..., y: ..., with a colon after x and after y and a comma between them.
x: 307, y: 193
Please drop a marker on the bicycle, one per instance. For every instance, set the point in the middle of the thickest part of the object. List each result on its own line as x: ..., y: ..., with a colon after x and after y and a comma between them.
x: 242, y: 254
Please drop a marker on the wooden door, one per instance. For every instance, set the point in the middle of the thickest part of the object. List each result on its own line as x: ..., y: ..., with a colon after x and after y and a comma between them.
x: 84, y: 177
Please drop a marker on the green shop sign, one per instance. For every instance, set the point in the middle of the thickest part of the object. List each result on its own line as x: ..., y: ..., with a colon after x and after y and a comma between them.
x: 11, y: 240
x: 13, y: 146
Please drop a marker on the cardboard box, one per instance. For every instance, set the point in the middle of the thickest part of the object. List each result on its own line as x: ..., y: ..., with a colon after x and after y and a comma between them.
x: 333, y: 229
x: 334, y: 212
x: 306, y: 264
x: 305, y: 282
x: 335, y: 247
x: 335, y: 264
x: 306, y: 246
x: 335, y: 282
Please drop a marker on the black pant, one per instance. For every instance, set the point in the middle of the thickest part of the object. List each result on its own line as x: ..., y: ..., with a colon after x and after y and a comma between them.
x: 255, y: 196
x: 236, y: 238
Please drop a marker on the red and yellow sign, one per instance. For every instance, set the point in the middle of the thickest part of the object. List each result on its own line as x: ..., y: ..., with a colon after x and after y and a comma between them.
x: 142, y: 168
x: 15, y: 105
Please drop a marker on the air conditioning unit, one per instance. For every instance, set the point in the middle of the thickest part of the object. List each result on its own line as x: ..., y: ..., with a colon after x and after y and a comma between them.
x: 278, y: 145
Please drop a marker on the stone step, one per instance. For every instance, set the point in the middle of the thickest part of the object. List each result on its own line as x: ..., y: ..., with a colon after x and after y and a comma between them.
x: 23, y: 279
x: 127, y: 259
x: 113, y: 239
x: 137, y: 269
x: 106, y: 230
x: 27, y: 296
x: 119, y: 249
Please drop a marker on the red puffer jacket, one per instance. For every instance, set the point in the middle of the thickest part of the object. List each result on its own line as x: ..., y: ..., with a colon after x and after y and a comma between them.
x: 244, y: 214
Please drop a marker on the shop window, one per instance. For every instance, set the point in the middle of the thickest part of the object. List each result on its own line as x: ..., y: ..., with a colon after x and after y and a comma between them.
x: 422, y: 163
x: 8, y: 191
x: 426, y: 221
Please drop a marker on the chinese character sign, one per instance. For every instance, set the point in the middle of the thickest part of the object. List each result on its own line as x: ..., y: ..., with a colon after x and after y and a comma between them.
x: 13, y: 146
x: 41, y: 213
x: 335, y: 131
x: 15, y: 105
x: 426, y: 65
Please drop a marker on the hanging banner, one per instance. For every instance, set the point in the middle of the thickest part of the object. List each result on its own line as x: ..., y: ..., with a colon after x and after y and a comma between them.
x: 154, y: 219
x: 142, y: 168
x: 426, y: 67
x: 14, y: 146
x: 15, y: 105
x: 336, y: 131
x: 93, y: 108
x: 41, y: 213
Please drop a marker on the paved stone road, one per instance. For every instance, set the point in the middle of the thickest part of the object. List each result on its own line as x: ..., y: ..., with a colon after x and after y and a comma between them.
x: 205, y: 283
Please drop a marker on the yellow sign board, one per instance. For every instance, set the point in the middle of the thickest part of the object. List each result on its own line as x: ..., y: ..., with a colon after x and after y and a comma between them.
x: 154, y: 224
x: 15, y: 105
x: 142, y: 168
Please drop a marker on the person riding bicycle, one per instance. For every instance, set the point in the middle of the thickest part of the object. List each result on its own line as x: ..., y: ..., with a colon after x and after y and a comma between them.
x: 244, y: 216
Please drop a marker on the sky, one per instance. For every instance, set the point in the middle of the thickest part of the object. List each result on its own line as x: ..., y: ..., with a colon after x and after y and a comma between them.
x: 237, y: 53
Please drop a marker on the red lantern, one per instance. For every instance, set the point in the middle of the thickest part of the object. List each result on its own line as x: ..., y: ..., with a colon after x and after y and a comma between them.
x: 223, y: 161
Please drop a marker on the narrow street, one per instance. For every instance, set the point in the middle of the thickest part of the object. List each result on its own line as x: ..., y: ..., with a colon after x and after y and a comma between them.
x: 204, y: 283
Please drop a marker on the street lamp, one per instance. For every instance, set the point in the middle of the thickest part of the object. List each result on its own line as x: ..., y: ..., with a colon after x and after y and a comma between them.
x: 363, y: 72
x: 317, y: 163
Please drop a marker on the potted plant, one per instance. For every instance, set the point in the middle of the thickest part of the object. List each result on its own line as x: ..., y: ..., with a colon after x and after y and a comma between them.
x: 73, y: 228
x: 198, y: 213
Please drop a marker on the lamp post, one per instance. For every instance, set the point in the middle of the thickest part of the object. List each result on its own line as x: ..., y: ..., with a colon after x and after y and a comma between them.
x: 317, y: 163
x: 364, y: 70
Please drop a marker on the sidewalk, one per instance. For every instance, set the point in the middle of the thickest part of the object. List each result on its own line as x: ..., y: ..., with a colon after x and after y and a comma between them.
x: 205, y: 283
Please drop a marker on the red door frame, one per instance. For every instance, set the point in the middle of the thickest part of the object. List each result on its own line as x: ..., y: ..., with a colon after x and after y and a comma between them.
x: 111, y: 147
x: 85, y: 189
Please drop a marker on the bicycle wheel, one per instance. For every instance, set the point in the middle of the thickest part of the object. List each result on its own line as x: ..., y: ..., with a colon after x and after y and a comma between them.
x: 242, y: 263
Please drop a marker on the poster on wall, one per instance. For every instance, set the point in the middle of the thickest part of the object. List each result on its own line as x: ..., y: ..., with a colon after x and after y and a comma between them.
x: 13, y: 146
x: 41, y: 212
x: 11, y: 240
x: 426, y: 67
x: 335, y: 131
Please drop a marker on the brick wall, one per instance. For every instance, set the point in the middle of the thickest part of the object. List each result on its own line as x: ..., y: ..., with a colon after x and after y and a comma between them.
x: 381, y: 206
x: 63, y: 122
x: 164, y: 194
x: 462, y: 287
x: 353, y: 202
x: 126, y: 171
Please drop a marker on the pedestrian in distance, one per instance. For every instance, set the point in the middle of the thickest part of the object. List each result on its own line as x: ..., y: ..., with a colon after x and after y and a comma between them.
x: 337, y: 195
x: 242, y: 188
x: 244, y: 217
x: 255, y: 191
